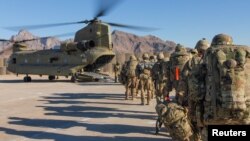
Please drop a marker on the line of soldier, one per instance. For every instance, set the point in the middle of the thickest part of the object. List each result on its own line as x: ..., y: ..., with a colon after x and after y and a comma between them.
x: 211, y: 86
x: 137, y: 78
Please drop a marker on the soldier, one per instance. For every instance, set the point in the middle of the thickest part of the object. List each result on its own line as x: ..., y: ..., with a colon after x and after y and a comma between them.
x: 117, y: 71
x: 123, y: 75
x: 193, y: 52
x: 224, y: 76
x: 191, y: 71
x: 176, y: 65
x: 143, y: 70
x: 153, y: 59
x: 131, y: 77
x: 159, y: 76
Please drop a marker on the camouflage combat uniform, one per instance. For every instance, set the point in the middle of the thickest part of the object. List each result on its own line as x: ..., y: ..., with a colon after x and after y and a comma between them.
x: 176, y: 64
x: 143, y: 70
x: 159, y: 77
x: 193, y: 80
x: 123, y: 75
x: 225, y: 99
x: 131, y: 77
x: 117, y: 71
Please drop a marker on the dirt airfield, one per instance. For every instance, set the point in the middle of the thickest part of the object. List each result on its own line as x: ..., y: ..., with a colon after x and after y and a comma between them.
x: 65, y: 111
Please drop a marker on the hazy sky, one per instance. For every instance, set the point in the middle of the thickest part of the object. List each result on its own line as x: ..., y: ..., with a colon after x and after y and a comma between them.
x: 183, y: 21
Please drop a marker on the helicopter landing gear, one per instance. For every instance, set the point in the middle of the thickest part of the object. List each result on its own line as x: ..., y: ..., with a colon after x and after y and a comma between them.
x: 52, y: 77
x: 73, y: 79
x: 27, y: 78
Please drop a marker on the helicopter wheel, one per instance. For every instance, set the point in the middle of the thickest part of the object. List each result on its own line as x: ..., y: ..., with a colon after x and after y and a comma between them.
x: 27, y: 79
x: 73, y: 79
x: 52, y: 77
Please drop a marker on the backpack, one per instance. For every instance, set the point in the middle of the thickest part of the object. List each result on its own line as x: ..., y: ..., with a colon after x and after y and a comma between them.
x: 174, y: 118
x: 226, y: 83
x: 131, y: 68
x: 177, y: 62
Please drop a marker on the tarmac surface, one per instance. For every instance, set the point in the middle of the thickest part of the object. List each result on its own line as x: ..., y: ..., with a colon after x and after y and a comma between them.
x: 65, y: 111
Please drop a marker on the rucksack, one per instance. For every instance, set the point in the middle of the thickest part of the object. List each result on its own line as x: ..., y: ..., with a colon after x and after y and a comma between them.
x: 226, y: 83
x: 177, y: 62
x: 174, y: 117
x: 132, y: 68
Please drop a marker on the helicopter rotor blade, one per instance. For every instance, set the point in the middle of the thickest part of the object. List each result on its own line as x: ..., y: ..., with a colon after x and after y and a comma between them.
x: 40, y: 26
x: 39, y: 38
x: 27, y: 40
x: 4, y: 40
x: 141, y: 28
x: 104, y: 7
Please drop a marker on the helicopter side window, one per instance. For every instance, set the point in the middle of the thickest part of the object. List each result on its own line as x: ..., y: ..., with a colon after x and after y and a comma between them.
x: 53, y: 59
x: 14, y: 61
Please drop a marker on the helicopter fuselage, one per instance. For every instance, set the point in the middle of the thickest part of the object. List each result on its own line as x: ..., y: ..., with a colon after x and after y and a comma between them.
x: 91, y: 49
x: 57, y: 62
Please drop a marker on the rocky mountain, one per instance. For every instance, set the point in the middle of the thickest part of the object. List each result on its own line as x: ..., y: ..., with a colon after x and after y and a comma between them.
x: 44, y: 43
x: 130, y: 43
x: 123, y: 43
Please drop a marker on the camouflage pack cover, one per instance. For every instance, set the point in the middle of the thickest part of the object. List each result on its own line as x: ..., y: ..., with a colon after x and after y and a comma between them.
x: 123, y: 73
x: 132, y: 68
x: 144, y: 67
x: 227, y: 80
x: 174, y: 118
x: 177, y: 60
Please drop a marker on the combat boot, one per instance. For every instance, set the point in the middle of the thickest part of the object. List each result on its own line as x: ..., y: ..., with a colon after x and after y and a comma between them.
x: 142, y: 100
x: 148, y: 98
x: 133, y: 93
x: 126, y: 95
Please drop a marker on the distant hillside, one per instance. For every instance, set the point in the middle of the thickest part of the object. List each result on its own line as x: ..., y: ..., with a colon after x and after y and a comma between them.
x: 123, y: 43
x: 130, y: 43
x: 6, y: 47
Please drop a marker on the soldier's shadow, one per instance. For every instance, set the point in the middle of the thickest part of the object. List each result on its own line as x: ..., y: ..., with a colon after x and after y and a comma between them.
x: 74, y: 106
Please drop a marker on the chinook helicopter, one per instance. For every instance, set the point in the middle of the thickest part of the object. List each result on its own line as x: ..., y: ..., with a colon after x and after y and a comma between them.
x: 91, y: 49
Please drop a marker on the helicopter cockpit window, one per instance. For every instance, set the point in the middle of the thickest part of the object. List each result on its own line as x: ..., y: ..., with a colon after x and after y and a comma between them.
x: 14, y: 61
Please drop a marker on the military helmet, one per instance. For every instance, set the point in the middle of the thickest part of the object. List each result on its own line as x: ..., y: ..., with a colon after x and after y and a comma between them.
x: 202, y: 45
x: 222, y: 39
x: 193, y: 51
x: 132, y: 57
x: 151, y: 57
x: 145, y: 56
x: 180, y: 48
x: 160, y: 56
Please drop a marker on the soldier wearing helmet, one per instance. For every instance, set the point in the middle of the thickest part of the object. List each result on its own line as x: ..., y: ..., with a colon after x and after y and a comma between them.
x: 192, y: 81
x: 193, y: 52
x: 159, y: 77
x: 222, y: 39
x: 176, y: 65
x: 131, y: 77
x: 116, y: 69
x: 123, y: 73
x: 222, y: 84
x: 143, y: 71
